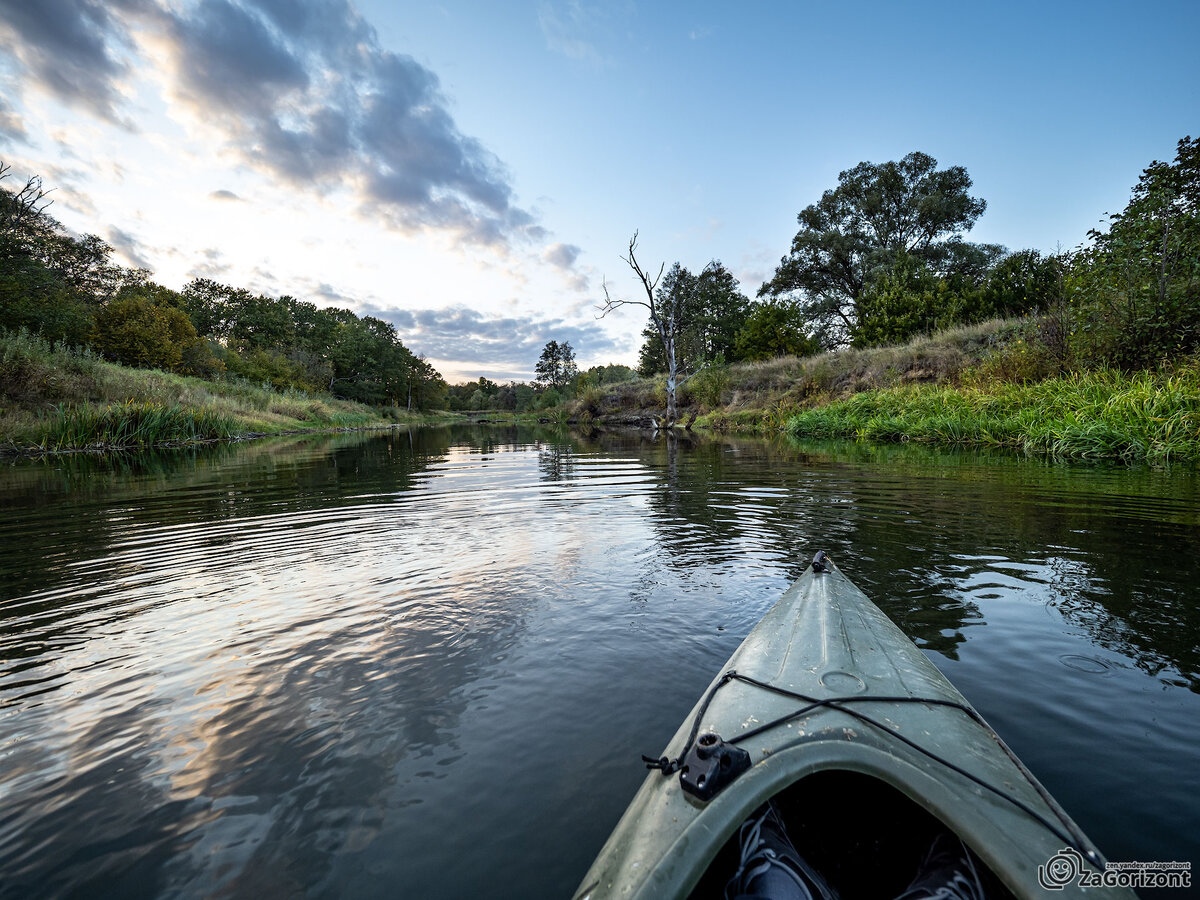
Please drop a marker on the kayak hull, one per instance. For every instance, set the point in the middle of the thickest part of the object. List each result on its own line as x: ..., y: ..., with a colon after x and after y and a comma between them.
x: 825, y: 639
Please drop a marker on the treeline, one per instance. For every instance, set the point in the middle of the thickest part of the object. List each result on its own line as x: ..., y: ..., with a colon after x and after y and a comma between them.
x: 520, y: 396
x: 68, y: 290
x: 882, y: 258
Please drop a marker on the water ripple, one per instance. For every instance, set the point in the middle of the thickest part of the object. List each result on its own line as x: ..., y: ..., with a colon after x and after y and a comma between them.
x: 357, y: 665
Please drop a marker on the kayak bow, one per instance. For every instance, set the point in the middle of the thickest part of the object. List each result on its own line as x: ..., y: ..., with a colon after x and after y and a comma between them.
x: 824, y: 688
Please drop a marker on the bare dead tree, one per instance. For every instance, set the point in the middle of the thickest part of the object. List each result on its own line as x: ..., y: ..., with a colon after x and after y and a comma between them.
x: 16, y: 208
x: 664, y: 311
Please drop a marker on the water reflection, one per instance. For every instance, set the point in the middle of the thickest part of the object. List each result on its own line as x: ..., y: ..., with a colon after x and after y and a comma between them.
x: 369, y: 663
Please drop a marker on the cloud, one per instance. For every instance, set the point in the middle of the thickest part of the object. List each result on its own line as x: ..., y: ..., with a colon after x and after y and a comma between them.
x: 12, y: 126
x: 564, y: 257
x: 129, y: 247
x: 213, y: 266
x: 67, y: 46
x: 561, y: 255
x: 568, y: 29
x: 301, y: 90
x: 511, y: 342
x: 225, y: 195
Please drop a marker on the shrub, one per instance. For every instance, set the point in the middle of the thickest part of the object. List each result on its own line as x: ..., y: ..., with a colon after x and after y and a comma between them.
x: 134, y: 331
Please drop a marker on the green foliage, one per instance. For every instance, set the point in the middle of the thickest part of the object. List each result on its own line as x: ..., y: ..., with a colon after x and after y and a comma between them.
x: 34, y: 297
x: 491, y: 395
x: 66, y: 288
x: 269, y: 367
x: 905, y: 300
x: 135, y: 331
x: 1100, y: 414
x: 1136, y: 291
x: 774, y: 327
x: 709, y: 311
x: 1020, y: 283
x: 876, y: 212
x: 291, y: 343
x: 708, y: 386
x: 524, y: 398
x: 131, y: 424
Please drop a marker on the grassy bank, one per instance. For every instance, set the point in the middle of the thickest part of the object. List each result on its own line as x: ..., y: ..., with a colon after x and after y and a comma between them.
x: 980, y: 385
x: 54, y: 398
x: 1152, y: 416
x: 763, y: 396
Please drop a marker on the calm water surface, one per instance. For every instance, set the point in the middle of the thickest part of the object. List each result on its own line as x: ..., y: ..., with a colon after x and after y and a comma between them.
x: 425, y: 664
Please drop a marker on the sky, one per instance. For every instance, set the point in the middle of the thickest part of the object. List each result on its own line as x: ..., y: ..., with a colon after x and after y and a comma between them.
x: 473, y: 172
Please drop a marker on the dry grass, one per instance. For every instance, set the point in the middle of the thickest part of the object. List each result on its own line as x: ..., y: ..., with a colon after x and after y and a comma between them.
x: 764, y: 395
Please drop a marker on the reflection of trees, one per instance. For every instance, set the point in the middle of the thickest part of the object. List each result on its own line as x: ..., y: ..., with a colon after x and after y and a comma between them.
x: 65, y: 517
x: 911, y: 525
x: 727, y: 501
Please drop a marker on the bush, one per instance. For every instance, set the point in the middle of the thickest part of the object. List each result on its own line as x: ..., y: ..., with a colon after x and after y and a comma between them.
x: 134, y: 331
x: 707, y: 386
x: 268, y: 367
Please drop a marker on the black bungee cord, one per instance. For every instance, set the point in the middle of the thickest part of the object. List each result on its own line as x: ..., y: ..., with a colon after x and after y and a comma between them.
x: 1070, y: 836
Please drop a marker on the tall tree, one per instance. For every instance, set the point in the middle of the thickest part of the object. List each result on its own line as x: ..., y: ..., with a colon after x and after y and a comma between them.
x: 712, y: 313
x: 556, y: 368
x: 774, y: 328
x: 856, y: 230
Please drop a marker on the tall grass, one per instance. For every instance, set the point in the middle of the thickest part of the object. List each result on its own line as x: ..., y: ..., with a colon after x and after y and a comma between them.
x: 54, y: 397
x: 130, y: 424
x: 1102, y: 414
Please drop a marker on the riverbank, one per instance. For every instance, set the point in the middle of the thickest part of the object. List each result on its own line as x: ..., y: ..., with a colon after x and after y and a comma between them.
x: 982, y: 385
x: 1139, y: 417
x: 57, y: 399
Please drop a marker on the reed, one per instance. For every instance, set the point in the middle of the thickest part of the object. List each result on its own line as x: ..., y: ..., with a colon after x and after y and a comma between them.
x: 129, y: 424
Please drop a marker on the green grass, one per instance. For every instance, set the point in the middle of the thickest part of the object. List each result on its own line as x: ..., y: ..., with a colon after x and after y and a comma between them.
x: 1092, y: 415
x: 55, y: 398
x: 130, y: 424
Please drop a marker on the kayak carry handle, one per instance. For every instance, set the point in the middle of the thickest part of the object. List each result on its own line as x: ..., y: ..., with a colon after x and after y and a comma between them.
x: 821, y: 562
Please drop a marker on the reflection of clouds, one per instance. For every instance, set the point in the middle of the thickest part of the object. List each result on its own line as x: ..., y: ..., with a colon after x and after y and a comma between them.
x: 256, y: 698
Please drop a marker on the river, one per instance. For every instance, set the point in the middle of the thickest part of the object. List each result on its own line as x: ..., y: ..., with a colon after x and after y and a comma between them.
x: 425, y: 663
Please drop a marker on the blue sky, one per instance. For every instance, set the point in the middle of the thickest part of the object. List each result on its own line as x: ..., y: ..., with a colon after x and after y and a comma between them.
x: 472, y: 171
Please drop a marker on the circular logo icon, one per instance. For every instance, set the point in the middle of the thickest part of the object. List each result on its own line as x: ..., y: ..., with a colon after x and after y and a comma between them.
x: 1060, y: 869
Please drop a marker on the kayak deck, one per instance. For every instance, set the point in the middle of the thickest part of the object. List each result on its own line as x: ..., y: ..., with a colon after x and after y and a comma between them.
x: 896, y: 724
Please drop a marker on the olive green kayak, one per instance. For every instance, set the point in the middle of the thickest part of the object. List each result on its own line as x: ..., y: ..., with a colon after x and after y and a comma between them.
x: 831, y: 713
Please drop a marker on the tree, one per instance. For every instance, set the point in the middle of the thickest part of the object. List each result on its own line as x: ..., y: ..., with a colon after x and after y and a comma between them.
x: 712, y: 314
x: 1139, y: 282
x: 667, y: 304
x: 134, y: 331
x: 556, y: 368
x: 857, y: 229
x: 23, y: 210
x: 774, y: 328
